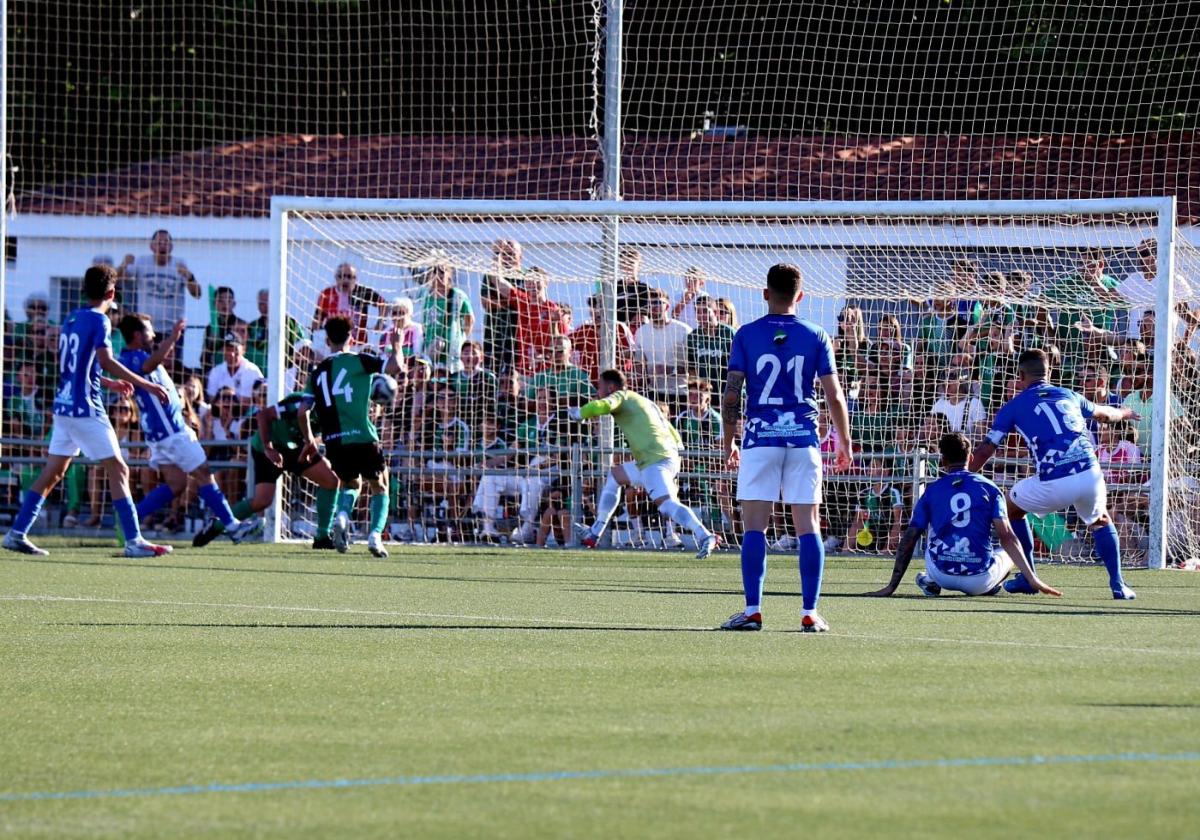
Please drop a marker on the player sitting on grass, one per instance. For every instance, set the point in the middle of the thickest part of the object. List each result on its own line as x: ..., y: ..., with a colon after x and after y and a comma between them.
x: 779, y: 358
x: 283, y: 443
x: 654, y: 444
x: 1052, y: 420
x: 174, y: 451
x: 341, y: 388
x: 81, y: 421
x: 960, y: 511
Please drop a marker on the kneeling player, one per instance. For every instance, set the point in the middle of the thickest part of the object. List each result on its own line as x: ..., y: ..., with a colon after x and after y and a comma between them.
x: 960, y: 510
x: 283, y: 443
x: 174, y: 451
x: 654, y: 444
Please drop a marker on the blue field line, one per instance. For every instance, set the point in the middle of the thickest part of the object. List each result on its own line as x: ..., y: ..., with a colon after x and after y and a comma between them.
x: 629, y: 773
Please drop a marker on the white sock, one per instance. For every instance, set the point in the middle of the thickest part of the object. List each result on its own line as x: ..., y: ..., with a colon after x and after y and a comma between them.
x: 752, y: 610
x: 606, y: 505
x: 685, y: 516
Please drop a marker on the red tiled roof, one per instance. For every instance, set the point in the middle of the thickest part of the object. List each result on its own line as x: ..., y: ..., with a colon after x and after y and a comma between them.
x: 238, y: 179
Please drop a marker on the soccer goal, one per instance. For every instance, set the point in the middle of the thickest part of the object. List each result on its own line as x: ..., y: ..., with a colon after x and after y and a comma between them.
x: 506, y: 311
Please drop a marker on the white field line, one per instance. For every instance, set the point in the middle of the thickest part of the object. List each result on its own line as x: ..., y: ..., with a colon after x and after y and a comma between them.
x: 553, y: 621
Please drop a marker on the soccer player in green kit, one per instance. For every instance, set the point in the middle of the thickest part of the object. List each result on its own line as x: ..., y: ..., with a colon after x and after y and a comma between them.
x: 655, y: 445
x: 341, y: 390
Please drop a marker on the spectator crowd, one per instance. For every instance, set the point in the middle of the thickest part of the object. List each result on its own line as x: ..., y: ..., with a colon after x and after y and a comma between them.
x: 477, y: 434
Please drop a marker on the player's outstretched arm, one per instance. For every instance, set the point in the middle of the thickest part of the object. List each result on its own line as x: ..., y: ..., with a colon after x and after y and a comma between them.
x: 110, y: 365
x: 1009, y: 540
x: 117, y: 386
x: 982, y: 454
x: 731, y: 416
x: 839, y: 412
x: 904, y: 554
x: 1114, y: 413
x: 165, y: 348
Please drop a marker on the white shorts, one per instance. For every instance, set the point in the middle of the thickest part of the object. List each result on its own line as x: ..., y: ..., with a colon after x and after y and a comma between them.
x: 1083, y: 491
x: 180, y: 449
x: 94, y: 435
x: 780, y: 473
x: 979, y: 584
x: 657, y: 479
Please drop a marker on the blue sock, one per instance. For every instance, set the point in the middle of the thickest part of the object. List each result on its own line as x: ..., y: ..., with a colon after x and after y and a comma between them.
x: 754, y: 566
x: 31, y: 506
x: 128, y: 519
x: 217, y: 503
x: 812, y: 566
x: 1024, y: 537
x: 1108, y: 547
x: 155, y: 500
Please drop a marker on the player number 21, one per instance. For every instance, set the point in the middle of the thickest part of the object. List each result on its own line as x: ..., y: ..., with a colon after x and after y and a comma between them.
x: 795, y: 367
x: 340, y: 387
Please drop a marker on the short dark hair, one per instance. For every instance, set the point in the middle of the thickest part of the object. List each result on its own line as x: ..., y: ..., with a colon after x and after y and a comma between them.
x: 131, y: 325
x: 338, y: 328
x: 955, y: 447
x: 98, y: 281
x: 614, y: 377
x: 1033, y: 363
x: 784, y: 279
x: 224, y: 290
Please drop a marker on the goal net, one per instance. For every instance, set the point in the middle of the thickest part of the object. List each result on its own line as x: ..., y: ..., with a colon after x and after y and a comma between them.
x: 506, y: 315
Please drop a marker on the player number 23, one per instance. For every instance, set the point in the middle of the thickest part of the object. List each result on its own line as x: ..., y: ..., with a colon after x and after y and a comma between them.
x: 795, y: 366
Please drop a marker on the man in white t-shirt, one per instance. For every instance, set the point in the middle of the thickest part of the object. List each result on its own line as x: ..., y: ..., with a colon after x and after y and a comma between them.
x: 235, y: 372
x: 153, y: 284
x: 963, y: 412
x: 1140, y: 290
x: 660, y: 350
x: 685, y: 306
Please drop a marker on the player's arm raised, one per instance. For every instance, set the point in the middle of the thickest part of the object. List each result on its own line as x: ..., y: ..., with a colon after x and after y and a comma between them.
x: 839, y: 412
x: 1013, y: 546
x: 983, y: 453
x: 731, y: 416
x: 908, y: 542
x: 110, y: 365
x: 165, y: 348
x: 1114, y: 413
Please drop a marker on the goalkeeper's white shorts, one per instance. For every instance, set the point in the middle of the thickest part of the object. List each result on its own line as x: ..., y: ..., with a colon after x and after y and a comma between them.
x: 979, y: 584
x: 780, y: 473
x: 658, y: 479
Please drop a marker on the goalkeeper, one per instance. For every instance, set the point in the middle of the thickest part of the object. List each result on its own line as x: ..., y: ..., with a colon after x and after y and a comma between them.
x: 654, y: 444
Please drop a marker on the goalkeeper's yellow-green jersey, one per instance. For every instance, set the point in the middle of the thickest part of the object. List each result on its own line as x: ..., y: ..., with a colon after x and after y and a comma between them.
x: 650, y: 435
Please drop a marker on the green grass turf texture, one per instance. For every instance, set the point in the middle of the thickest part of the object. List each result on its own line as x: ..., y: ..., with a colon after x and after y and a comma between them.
x: 279, y: 664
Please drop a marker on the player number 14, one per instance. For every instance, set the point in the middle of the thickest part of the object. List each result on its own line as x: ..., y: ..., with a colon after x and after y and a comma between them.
x: 795, y: 367
x: 340, y: 387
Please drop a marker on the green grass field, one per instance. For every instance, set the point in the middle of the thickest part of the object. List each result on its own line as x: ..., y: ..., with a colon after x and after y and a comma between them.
x: 581, y: 695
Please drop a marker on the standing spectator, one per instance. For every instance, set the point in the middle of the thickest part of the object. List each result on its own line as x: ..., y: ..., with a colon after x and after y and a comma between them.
x: 875, y: 420
x: 235, y: 372
x: 158, y: 282
x: 475, y: 385
x: 708, y: 345
x: 962, y: 412
x: 932, y: 348
x: 1093, y: 384
x: 850, y: 344
x: 890, y: 359
x: 348, y: 299
x: 570, y: 384
x: 700, y: 429
x: 539, y: 320
x: 27, y: 404
x: 446, y: 316
x: 659, y: 352
x: 1138, y: 288
x: 964, y: 284
x: 500, y: 321
x: 399, y: 319
x: 585, y: 342
x: 1087, y: 299
x: 37, y: 348
x: 224, y: 321
x: 633, y: 296
x: 258, y: 335
x: 37, y: 316
x: 684, y: 308
x: 727, y: 313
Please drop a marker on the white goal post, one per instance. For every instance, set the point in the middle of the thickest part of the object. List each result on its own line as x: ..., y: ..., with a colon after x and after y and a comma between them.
x: 881, y: 258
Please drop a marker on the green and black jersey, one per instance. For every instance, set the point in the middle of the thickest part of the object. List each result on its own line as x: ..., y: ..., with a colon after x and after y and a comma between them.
x: 341, y: 389
x: 285, y: 428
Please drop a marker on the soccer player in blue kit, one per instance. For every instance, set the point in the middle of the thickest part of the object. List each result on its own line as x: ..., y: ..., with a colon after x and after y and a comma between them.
x: 961, y: 510
x: 81, y: 421
x: 778, y: 358
x: 174, y: 450
x: 1053, y: 422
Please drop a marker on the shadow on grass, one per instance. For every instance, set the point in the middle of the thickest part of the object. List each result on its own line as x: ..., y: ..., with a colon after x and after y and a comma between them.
x: 392, y: 626
x: 1142, y: 705
x: 1072, y: 610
